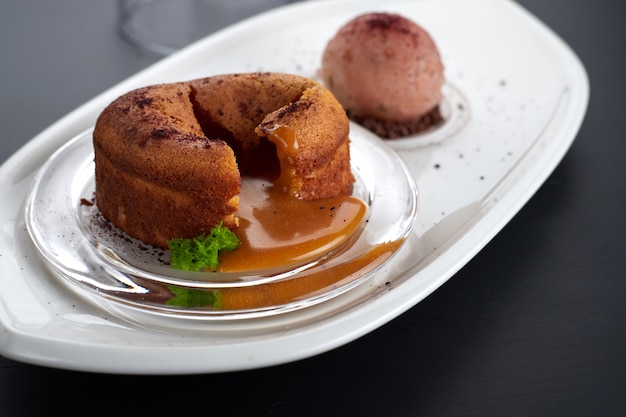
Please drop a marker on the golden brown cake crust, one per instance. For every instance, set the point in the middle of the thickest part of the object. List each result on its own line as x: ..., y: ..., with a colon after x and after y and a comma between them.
x: 168, y: 157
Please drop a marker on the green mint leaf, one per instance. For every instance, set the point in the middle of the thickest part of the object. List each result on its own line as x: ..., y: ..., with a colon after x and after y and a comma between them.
x: 202, y: 252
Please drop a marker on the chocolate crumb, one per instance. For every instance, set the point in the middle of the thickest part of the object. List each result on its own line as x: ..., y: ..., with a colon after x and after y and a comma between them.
x: 394, y: 130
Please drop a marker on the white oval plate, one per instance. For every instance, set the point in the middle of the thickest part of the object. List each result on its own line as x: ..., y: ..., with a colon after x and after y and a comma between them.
x: 520, y: 120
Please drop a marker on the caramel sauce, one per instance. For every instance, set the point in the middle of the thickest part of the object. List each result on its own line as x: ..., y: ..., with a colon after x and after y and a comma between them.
x: 286, y: 145
x: 278, y: 230
x: 282, y: 292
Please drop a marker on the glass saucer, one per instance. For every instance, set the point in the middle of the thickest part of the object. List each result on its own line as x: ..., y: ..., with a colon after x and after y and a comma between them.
x: 91, y: 254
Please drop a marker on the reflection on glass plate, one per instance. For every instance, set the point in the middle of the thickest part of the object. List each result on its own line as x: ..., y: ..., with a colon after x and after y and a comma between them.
x: 87, y: 250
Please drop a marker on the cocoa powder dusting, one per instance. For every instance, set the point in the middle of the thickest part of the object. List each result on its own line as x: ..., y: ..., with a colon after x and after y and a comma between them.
x: 143, y: 101
x: 389, y: 23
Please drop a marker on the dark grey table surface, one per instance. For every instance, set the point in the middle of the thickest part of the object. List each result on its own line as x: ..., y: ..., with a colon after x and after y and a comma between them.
x: 534, y: 325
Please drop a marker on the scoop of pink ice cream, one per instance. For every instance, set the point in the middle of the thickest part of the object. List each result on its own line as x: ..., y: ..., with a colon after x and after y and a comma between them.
x: 385, y: 66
